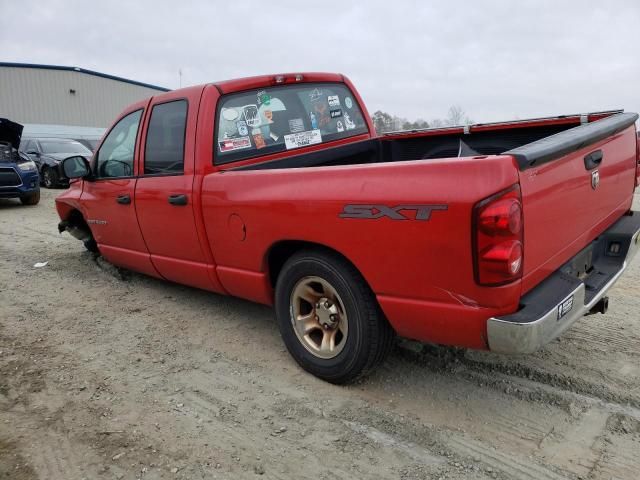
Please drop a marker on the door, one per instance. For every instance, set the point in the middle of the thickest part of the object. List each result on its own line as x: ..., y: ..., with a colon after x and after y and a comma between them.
x: 164, y: 194
x: 109, y: 199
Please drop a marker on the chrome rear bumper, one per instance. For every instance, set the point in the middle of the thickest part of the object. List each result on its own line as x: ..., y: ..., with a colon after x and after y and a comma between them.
x: 568, y: 294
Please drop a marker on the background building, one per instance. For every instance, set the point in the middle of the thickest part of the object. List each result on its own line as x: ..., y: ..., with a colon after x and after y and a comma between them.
x: 54, y: 100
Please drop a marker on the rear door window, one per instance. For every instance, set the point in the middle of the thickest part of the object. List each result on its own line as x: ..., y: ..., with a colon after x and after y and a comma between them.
x: 164, y: 149
x: 259, y: 122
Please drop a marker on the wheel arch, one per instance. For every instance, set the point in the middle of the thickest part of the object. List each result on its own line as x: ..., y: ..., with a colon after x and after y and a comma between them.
x: 281, y: 251
x: 74, y: 222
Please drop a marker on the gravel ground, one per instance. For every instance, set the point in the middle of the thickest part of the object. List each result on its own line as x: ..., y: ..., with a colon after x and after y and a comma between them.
x: 110, y: 374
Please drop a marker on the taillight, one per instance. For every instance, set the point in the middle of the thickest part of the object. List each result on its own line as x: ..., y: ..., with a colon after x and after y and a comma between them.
x: 498, y: 238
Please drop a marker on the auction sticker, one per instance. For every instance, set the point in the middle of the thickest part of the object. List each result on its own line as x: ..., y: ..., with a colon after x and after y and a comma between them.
x: 565, y: 307
x: 232, y: 144
x: 302, y: 139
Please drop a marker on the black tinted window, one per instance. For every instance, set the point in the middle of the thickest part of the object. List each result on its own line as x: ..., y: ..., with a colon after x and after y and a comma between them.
x: 164, y: 150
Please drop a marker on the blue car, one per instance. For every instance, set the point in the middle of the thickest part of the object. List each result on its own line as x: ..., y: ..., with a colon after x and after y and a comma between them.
x: 18, y: 173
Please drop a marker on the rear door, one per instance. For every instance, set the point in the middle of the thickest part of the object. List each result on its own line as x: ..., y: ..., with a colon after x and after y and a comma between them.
x: 109, y: 198
x: 571, y: 200
x: 165, y: 192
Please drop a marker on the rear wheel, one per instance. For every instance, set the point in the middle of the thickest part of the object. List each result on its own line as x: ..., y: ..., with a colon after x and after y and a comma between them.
x: 31, y: 199
x: 329, y: 318
x: 49, y: 177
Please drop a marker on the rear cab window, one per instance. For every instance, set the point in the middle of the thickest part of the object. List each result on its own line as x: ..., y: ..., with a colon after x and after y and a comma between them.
x: 274, y: 119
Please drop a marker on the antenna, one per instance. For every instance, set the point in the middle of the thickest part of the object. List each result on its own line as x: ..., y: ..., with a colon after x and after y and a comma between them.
x: 180, y: 76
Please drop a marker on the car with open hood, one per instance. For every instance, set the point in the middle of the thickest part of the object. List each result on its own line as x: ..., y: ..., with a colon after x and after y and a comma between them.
x: 18, y: 174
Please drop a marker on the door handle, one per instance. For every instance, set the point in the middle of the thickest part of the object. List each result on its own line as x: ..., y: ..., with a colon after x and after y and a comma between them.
x: 178, y: 199
x: 124, y: 199
x: 593, y: 159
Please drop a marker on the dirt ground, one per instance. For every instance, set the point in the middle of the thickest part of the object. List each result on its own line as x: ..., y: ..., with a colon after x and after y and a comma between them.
x: 109, y: 374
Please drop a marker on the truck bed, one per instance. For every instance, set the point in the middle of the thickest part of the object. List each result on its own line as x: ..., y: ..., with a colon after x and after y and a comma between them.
x: 563, y: 211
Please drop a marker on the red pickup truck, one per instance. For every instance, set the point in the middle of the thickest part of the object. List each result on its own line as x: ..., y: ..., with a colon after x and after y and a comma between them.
x: 277, y: 189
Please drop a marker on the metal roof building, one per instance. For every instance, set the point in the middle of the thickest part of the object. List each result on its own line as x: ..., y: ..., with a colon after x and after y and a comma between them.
x: 66, y: 96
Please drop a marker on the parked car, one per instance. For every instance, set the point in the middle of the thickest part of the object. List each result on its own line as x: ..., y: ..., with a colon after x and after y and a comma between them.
x: 278, y: 190
x: 18, y: 174
x: 47, y: 153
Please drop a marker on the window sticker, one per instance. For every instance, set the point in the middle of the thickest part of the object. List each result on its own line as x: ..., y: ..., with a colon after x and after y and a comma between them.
x: 348, y: 103
x: 315, y: 95
x: 229, y: 114
x: 241, y: 125
x: 296, y: 125
x: 334, y: 100
x: 350, y: 124
x: 340, y: 126
x: 232, y: 144
x: 270, y: 125
x: 336, y: 113
x: 263, y: 97
x: 258, y: 139
x: 302, y: 139
x: 251, y: 116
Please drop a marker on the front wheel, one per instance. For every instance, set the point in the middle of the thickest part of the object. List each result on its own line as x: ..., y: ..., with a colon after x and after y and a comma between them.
x: 31, y: 199
x: 329, y: 318
x: 49, y: 177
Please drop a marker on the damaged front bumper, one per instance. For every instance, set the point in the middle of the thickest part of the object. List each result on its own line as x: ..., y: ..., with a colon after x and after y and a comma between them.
x: 79, y: 231
x: 576, y: 289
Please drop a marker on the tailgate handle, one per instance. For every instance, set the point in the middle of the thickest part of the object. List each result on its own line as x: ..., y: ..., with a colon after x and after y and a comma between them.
x: 178, y: 199
x: 594, y: 159
x: 124, y: 199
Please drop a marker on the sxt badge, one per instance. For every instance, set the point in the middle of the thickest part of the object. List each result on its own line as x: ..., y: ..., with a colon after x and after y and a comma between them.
x: 401, y: 212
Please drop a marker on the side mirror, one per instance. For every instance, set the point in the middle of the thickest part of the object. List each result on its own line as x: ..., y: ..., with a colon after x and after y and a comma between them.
x: 76, y: 167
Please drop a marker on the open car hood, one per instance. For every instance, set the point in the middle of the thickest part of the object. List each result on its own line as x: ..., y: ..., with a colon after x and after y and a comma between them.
x: 10, y: 132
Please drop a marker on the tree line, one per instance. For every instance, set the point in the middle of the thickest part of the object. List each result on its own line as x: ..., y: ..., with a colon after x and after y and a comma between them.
x: 385, y: 122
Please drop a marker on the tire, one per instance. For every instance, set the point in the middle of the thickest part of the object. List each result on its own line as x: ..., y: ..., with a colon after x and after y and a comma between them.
x: 349, y: 313
x: 49, y: 177
x: 31, y: 199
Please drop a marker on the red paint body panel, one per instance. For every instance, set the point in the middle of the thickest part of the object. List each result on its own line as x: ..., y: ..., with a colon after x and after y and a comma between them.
x: 422, y: 272
x: 561, y: 219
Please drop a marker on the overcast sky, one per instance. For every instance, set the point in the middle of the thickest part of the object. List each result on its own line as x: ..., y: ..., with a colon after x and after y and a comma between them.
x: 496, y: 59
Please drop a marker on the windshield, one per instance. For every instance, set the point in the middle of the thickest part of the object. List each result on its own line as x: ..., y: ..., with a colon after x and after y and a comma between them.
x: 63, y: 146
x: 259, y: 122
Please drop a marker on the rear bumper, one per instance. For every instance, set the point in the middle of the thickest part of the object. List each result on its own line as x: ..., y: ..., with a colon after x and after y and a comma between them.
x: 569, y: 293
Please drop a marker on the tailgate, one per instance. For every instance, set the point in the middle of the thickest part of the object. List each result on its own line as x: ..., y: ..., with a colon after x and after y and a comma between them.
x: 575, y: 184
